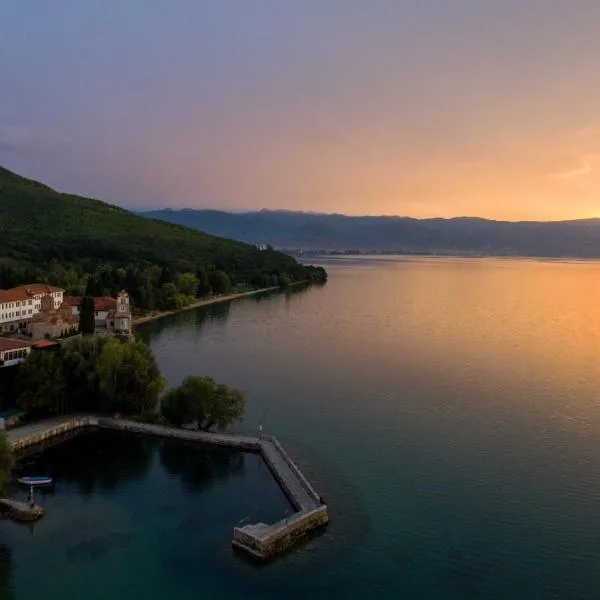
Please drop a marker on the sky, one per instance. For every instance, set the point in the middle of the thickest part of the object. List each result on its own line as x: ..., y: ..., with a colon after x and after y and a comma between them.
x: 423, y: 108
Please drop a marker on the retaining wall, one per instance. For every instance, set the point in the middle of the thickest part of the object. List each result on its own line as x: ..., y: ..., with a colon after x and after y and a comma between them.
x: 265, y: 541
x: 36, y: 434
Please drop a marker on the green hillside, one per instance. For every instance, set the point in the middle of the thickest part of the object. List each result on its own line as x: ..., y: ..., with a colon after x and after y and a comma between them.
x: 45, y: 232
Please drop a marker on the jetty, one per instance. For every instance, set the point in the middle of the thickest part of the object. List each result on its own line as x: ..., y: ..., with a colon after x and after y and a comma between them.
x: 20, y: 511
x: 259, y: 540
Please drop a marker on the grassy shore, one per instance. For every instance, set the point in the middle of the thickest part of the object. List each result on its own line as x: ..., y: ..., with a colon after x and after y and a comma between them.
x: 204, y: 302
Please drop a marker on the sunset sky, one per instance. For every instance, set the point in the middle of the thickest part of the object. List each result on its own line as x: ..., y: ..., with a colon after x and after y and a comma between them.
x: 424, y: 108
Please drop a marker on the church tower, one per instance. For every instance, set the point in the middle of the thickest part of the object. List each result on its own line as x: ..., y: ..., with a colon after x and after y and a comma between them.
x: 123, y: 314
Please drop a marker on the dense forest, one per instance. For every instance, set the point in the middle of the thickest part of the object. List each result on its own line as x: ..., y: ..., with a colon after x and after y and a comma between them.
x: 89, y: 246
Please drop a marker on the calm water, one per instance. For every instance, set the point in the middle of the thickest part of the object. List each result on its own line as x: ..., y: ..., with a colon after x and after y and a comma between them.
x: 447, y: 410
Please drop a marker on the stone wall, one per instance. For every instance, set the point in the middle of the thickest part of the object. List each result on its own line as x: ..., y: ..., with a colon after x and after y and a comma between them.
x: 38, y: 435
x: 264, y: 541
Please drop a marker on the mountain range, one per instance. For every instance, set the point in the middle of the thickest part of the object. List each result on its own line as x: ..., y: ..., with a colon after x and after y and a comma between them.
x: 339, y: 233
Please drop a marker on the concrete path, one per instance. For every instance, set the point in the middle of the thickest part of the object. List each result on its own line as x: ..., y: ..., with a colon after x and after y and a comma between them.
x: 219, y: 439
x: 22, y: 432
x: 289, y: 480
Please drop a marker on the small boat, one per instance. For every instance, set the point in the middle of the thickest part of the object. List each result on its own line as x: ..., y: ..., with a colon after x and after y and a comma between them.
x: 37, y: 480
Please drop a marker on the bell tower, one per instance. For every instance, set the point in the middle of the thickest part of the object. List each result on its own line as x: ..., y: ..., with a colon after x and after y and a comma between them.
x: 123, y: 308
x: 123, y: 313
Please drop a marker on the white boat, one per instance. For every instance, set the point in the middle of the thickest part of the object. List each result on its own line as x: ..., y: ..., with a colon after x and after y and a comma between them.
x: 37, y: 480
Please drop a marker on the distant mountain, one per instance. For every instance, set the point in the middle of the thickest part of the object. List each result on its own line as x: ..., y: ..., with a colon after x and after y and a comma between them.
x: 332, y: 232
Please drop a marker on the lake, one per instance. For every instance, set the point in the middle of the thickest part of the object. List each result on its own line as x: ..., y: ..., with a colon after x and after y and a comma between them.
x: 446, y: 409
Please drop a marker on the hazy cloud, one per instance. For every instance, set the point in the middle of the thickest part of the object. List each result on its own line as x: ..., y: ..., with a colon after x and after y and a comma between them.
x: 589, y: 164
x: 16, y: 139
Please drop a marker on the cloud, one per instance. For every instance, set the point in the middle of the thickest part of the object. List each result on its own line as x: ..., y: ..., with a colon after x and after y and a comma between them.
x: 589, y: 164
x: 15, y: 139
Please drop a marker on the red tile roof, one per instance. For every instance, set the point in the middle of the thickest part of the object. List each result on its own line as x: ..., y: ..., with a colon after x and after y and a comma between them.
x: 103, y: 303
x: 38, y: 288
x: 44, y: 344
x: 72, y: 300
x: 13, y: 296
x: 7, y: 344
x: 26, y: 292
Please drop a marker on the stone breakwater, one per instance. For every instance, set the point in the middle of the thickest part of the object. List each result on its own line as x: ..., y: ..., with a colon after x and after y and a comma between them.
x: 260, y: 540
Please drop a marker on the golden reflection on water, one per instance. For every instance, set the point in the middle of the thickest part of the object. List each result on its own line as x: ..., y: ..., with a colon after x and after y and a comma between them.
x: 532, y: 321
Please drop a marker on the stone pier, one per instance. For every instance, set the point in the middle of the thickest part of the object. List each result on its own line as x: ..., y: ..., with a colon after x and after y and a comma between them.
x: 259, y: 540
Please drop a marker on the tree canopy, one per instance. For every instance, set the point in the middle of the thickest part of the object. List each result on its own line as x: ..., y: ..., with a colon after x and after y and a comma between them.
x: 6, y: 459
x: 93, y: 248
x: 202, y: 400
x: 41, y: 383
x: 87, y: 315
x: 104, y: 374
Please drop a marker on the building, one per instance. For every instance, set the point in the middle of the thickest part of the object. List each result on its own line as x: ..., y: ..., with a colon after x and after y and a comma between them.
x: 103, y: 305
x: 13, y: 351
x: 120, y: 320
x: 52, y: 322
x: 18, y: 305
x: 112, y: 315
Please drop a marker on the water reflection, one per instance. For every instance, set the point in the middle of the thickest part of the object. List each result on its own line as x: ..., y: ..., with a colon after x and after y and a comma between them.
x: 210, y: 314
x: 6, y: 568
x: 200, y: 466
x: 189, y: 318
x: 98, y: 462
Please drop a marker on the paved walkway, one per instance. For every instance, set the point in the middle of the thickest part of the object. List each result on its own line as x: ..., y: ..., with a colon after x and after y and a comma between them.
x: 220, y: 439
x: 302, y: 499
x: 22, y: 432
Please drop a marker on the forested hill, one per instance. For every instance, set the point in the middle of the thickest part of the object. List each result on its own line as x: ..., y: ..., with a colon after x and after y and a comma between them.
x: 65, y: 239
x: 330, y: 232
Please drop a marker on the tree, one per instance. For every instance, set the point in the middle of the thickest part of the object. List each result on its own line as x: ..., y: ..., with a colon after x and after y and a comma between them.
x: 87, y: 316
x: 203, y: 400
x: 166, y: 276
x: 168, y: 297
x: 93, y: 286
x: 6, y: 459
x: 220, y: 282
x: 187, y: 284
x: 79, y: 358
x: 129, y: 379
x: 41, y: 383
x: 203, y: 288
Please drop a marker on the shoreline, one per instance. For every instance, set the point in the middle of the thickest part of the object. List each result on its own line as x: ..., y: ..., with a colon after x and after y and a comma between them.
x: 206, y: 301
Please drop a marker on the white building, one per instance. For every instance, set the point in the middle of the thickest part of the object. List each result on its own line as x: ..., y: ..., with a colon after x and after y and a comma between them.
x: 19, y: 304
x: 13, y: 352
x: 112, y: 315
x: 103, y: 305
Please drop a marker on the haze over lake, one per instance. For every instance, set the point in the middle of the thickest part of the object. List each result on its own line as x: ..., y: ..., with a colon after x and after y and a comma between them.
x: 447, y: 410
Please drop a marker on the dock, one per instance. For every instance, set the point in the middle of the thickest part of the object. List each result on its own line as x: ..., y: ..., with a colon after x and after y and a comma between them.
x: 20, y: 511
x: 259, y: 540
